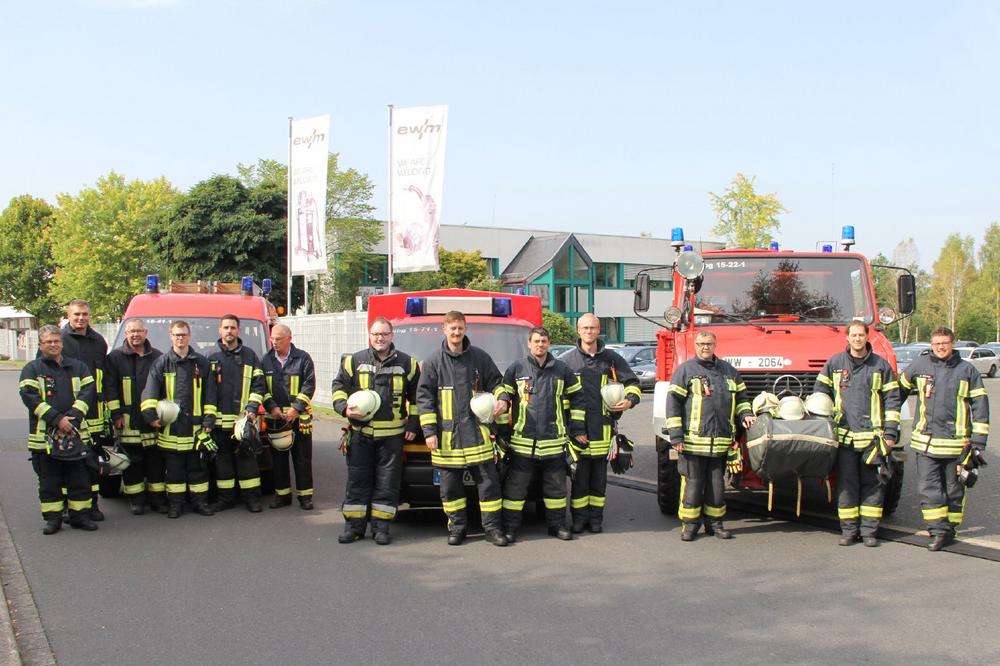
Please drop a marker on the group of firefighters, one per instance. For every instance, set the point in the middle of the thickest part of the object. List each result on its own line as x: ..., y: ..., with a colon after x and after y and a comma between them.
x: 539, y: 414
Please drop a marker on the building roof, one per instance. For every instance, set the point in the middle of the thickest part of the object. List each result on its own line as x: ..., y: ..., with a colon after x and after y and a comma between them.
x: 9, y: 312
x: 538, y: 254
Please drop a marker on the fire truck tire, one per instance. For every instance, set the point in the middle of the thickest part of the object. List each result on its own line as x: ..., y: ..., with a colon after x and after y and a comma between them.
x: 110, y: 486
x: 668, y: 484
x: 895, y: 489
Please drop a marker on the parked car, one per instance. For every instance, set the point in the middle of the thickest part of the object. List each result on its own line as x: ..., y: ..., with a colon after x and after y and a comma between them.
x: 966, y: 343
x: 995, y: 346
x: 983, y: 359
x: 646, y: 372
x: 637, y: 355
x: 559, y: 350
x: 908, y: 354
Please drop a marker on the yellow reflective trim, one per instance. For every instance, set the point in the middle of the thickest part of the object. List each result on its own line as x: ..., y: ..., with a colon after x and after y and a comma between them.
x: 454, y: 505
x: 198, y: 487
x: 871, y: 511
x: 513, y: 505
x: 936, y: 513
x: 554, y: 502
x: 714, y: 511
x: 52, y: 507
x: 250, y: 483
x: 847, y: 513
x: 80, y: 505
x: 492, y: 505
x: 597, y: 500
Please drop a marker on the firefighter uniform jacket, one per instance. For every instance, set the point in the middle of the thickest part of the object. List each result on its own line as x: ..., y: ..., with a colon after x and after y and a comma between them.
x: 54, y: 389
x: 188, y: 382
x: 239, y: 382
x: 447, y: 382
x: 536, y: 393
x: 953, y: 409
x: 125, y: 375
x: 91, y: 348
x: 705, y: 400
x: 291, y: 386
x: 865, y: 397
x: 594, y: 371
x: 394, y: 379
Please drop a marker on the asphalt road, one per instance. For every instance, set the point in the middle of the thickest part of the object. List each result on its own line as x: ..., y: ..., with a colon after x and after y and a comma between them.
x: 273, y: 588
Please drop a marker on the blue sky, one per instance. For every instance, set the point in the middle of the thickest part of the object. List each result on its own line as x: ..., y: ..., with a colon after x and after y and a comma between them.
x: 579, y: 116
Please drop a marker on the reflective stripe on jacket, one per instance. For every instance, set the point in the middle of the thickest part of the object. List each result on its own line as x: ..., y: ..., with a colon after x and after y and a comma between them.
x: 704, y: 401
x: 186, y: 381
x: 125, y: 378
x: 52, y: 390
x: 865, y: 397
x: 538, y: 415
x: 395, y: 380
x: 239, y: 381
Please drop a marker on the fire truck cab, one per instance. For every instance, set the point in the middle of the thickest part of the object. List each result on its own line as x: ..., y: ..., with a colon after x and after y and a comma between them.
x: 497, y: 323
x: 778, y: 315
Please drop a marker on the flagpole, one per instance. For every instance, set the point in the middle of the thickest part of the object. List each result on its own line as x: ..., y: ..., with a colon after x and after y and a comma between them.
x: 288, y: 228
x: 388, y: 240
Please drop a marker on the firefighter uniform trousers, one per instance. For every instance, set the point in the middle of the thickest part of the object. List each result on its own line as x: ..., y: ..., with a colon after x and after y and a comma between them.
x: 144, y: 478
x: 231, y: 465
x: 942, y: 495
x: 374, y: 472
x: 454, y: 501
x: 589, y: 488
x: 859, y: 494
x: 301, y: 454
x: 186, y: 472
x: 515, y: 489
x: 702, y: 498
x: 55, y: 475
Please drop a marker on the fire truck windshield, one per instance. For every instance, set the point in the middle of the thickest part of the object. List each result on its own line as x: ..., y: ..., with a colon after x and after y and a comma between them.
x: 504, y: 343
x: 204, y: 334
x: 740, y: 289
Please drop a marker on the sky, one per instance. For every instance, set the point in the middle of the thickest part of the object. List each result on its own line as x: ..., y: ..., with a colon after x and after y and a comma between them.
x: 598, y: 117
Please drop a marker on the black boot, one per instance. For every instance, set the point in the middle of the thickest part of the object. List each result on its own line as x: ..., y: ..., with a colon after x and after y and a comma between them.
x: 204, y: 509
x: 382, y: 537
x: 174, y: 510
x: 349, y: 535
x: 280, y: 501
x: 306, y: 502
x: 561, y: 532
x: 138, y: 507
x: 95, y: 514
x: 496, y: 537
x: 719, y: 531
x: 52, y: 525
x: 939, y: 541
x: 82, y: 522
x: 253, y: 505
x: 579, y: 524
x: 456, y: 538
x: 689, y: 531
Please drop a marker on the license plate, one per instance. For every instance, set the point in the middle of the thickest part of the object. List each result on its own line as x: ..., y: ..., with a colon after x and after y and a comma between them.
x: 466, y: 477
x: 758, y: 362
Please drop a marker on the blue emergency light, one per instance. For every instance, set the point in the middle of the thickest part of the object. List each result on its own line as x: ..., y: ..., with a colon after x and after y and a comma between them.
x: 152, y: 284
x: 677, y: 234
x: 265, y: 286
x: 827, y: 248
x: 774, y: 246
x: 688, y: 248
x: 502, y: 307
x: 416, y: 305
x: 246, y: 285
x: 847, y: 233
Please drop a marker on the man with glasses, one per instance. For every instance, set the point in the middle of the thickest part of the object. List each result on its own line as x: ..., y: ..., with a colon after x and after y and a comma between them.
x: 182, y: 376
x: 375, y: 447
x: 706, y: 398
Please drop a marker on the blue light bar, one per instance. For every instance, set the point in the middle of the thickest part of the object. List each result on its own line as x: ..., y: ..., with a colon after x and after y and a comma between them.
x: 827, y: 248
x: 774, y: 246
x: 265, y: 286
x: 847, y: 233
x: 246, y: 285
x: 677, y: 234
x: 502, y: 307
x: 416, y: 305
x: 153, y: 284
x: 688, y: 248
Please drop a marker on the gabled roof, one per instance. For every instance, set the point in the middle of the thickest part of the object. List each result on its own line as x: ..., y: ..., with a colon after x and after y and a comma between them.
x: 538, y: 254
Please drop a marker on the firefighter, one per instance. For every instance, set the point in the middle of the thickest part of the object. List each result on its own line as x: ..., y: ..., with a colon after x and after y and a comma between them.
x: 58, y: 391
x: 126, y: 371
x: 459, y: 444
x: 375, y: 446
x: 536, y: 387
x: 707, y: 397
x: 291, y: 381
x: 240, y: 389
x: 950, y: 427
x: 182, y: 376
x: 866, y: 415
x: 596, y: 366
x: 83, y: 343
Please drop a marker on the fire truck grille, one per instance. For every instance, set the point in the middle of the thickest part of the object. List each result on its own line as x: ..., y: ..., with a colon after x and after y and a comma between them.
x: 794, y: 383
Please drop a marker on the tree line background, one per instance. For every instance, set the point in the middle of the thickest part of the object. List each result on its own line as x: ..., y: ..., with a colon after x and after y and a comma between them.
x: 100, y: 243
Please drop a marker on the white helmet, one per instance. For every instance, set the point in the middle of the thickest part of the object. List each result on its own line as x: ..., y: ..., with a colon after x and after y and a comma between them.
x: 791, y: 408
x: 282, y: 439
x: 365, y: 401
x: 819, y: 404
x: 167, y: 411
x: 117, y: 461
x: 482, y: 405
x: 612, y: 393
x: 764, y: 402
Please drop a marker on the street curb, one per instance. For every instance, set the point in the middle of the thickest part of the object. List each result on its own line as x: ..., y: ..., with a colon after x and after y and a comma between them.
x: 22, y: 636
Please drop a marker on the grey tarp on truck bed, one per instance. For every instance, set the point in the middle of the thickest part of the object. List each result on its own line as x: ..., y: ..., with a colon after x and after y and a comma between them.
x: 779, y: 449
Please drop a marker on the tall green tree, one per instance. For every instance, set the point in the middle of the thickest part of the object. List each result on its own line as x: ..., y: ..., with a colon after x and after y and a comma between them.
x: 26, y: 264
x: 953, y: 272
x: 989, y: 275
x: 745, y: 218
x: 457, y: 269
x: 102, y: 240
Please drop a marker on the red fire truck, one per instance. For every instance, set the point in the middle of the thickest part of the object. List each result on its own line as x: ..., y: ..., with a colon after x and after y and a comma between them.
x: 778, y: 316
x: 498, y: 323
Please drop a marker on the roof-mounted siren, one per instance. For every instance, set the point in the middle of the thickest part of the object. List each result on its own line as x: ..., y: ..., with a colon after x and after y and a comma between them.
x: 847, y: 237
x: 153, y: 284
x: 265, y: 286
x: 774, y: 247
x: 827, y: 248
x: 677, y: 238
x: 246, y: 285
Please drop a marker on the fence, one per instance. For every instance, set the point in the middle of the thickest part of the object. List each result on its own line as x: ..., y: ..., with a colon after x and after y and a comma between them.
x: 18, y: 345
x: 327, y: 337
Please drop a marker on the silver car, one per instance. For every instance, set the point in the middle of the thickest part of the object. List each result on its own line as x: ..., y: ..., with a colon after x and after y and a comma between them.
x: 983, y: 359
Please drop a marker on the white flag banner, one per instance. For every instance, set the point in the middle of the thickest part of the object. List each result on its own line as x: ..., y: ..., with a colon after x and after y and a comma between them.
x: 416, y: 184
x: 307, y: 154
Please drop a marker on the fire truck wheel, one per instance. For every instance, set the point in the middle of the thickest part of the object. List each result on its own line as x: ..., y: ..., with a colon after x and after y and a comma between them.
x: 895, y: 489
x: 668, y: 484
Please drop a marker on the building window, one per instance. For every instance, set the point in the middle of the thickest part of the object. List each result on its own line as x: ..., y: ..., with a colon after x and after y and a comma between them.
x: 581, y: 269
x: 561, y: 266
x: 562, y: 299
x: 606, y: 275
x: 609, y: 329
x: 492, y: 266
x: 582, y: 299
x: 542, y: 291
x: 376, y: 272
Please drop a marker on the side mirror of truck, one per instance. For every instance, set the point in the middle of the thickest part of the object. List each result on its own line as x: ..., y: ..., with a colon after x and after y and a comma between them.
x: 906, y: 293
x: 641, y: 292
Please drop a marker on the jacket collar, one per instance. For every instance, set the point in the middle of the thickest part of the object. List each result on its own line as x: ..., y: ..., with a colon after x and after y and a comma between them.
x: 951, y: 361
x: 146, y: 348
x: 465, y: 347
x: 600, y: 347
x: 860, y: 361
x: 236, y: 350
